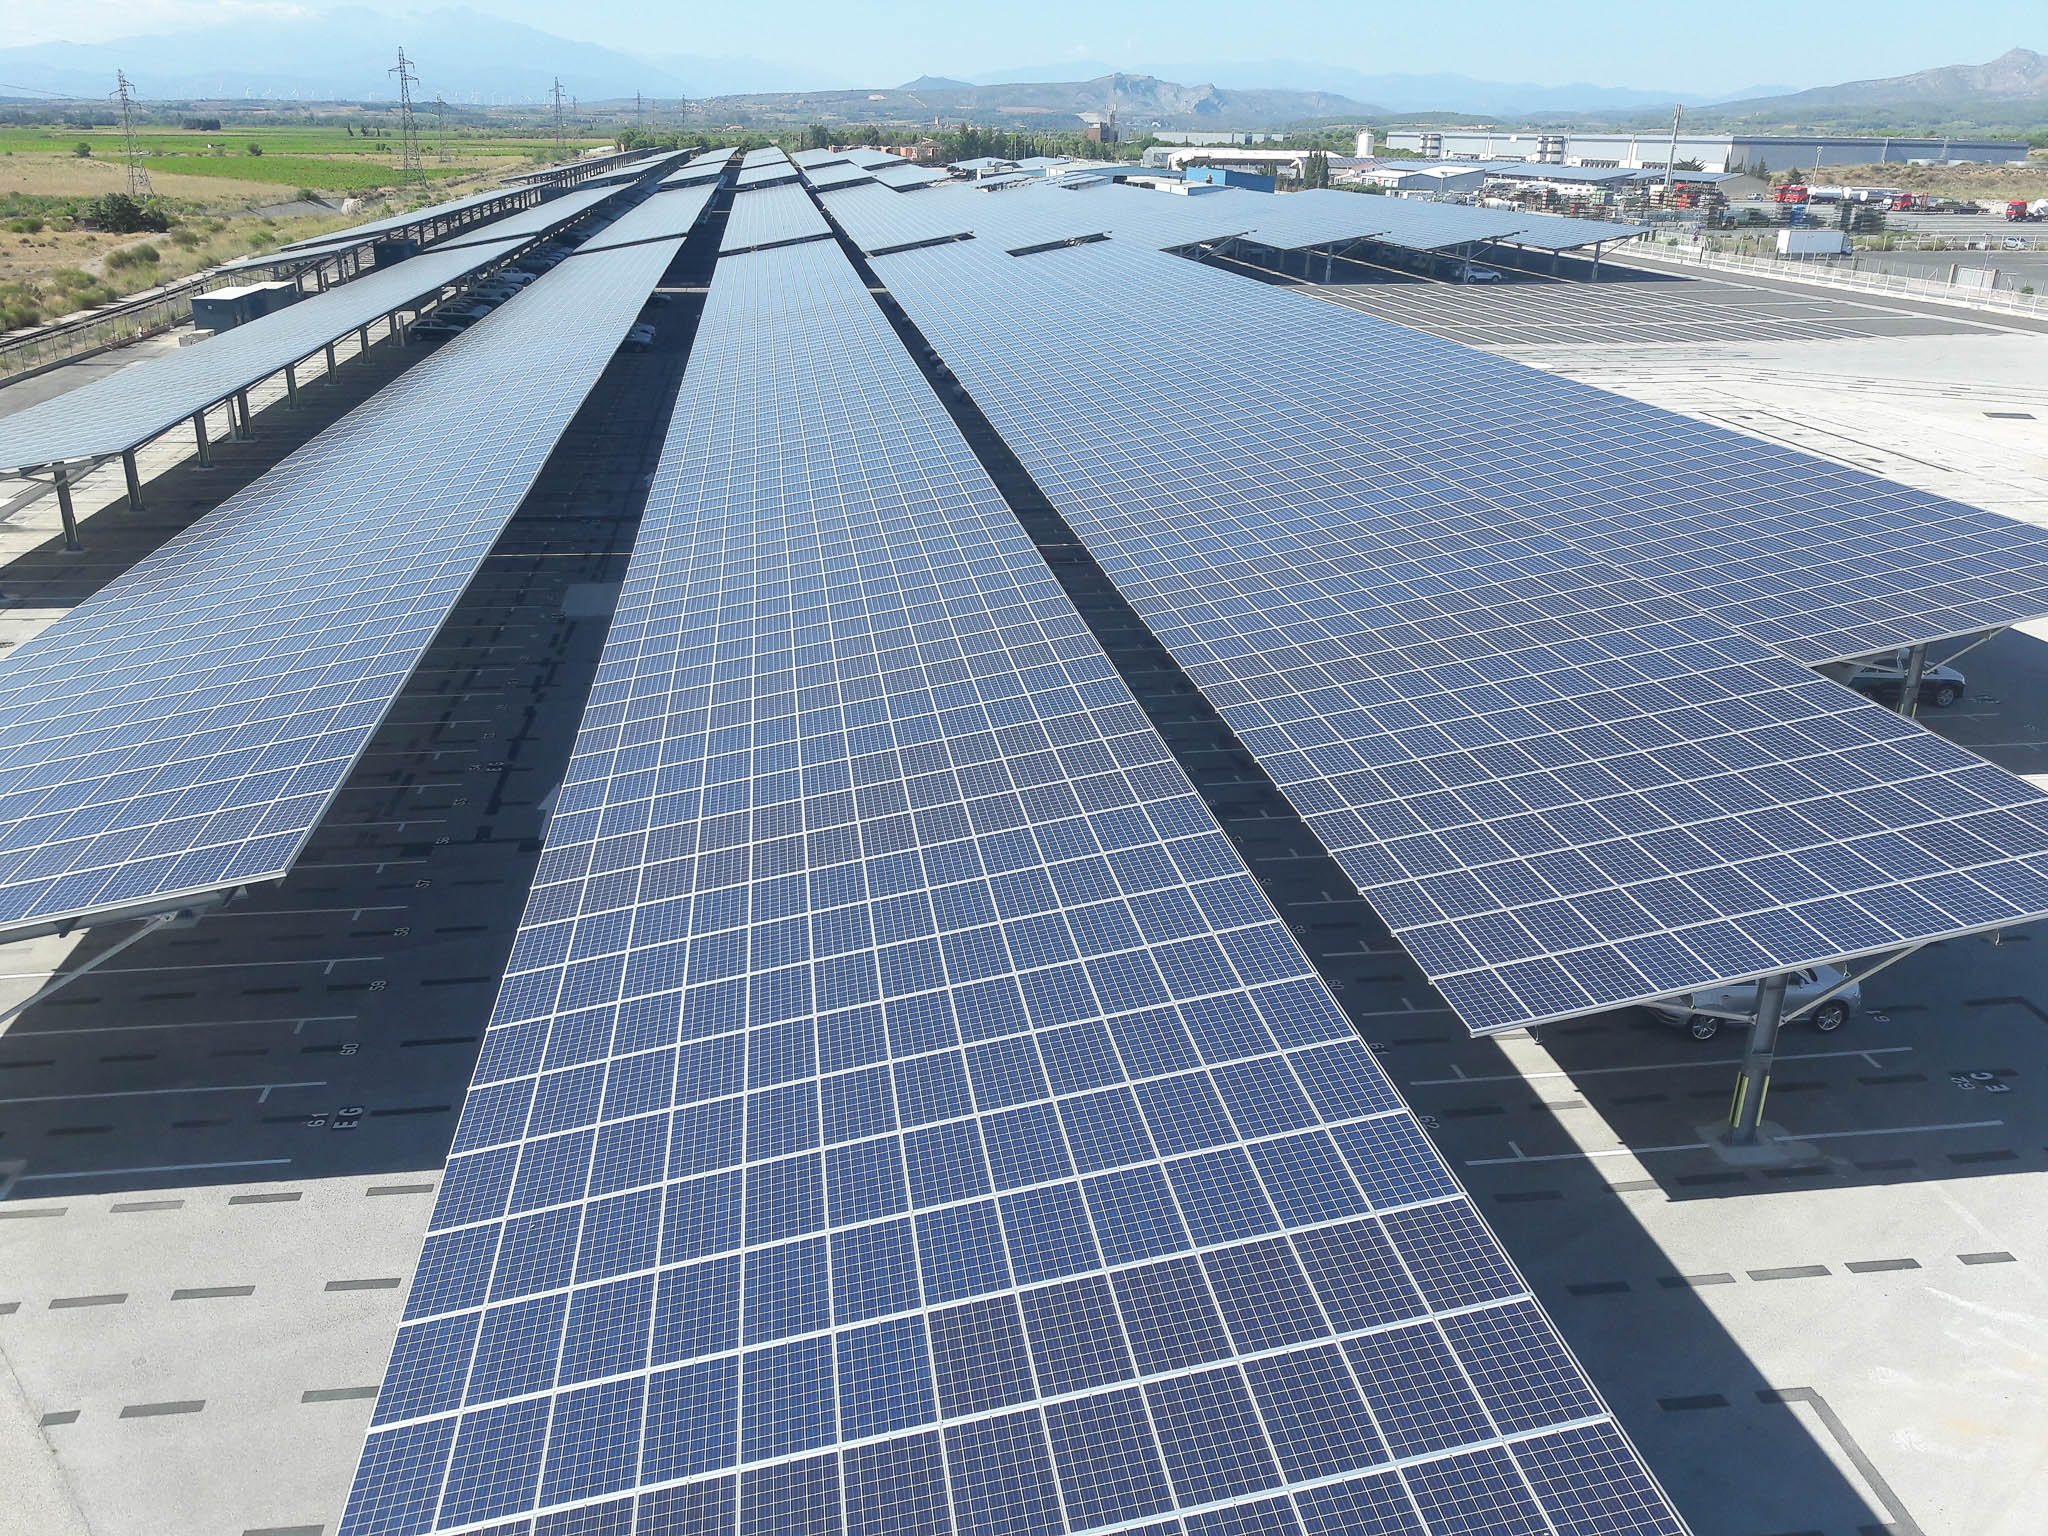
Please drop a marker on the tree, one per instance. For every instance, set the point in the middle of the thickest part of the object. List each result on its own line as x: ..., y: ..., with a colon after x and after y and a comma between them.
x: 255, y: 148
x: 1315, y: 170
x: 82, y: 149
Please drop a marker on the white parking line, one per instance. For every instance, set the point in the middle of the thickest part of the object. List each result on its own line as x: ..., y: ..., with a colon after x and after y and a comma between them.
x: 261, y: 1090
x: 297, y: 1024
x: 1702, y: 1146
x: 1870, y: 1056
x: 108, y: 1173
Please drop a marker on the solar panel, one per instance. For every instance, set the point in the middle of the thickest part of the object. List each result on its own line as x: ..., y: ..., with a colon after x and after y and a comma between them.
x: 908, y: 178
x: 184, y: 729
x: 129, y: 407
x: 1563, y: 789
x: 765, y: 175
x: 779, y: 215
x: 576, y: 170
x: 871, y: 159
x: 768, y: 155
x: 903, y: 1111
x: 1554, y: 232
x: 357, y: 234
x: 811, y: 159
x: 827, y: 178
x: 540, y: 220
x: 670, y: 213
x: 694, y: 172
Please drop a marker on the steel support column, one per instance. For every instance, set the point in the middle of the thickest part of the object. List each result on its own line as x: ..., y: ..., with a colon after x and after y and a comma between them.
x: 291, y: 386
x: 238, y: 410
x: 1909, y: 690
x: 331, y: 364
x: 134, y: 479
x: 1746, y: 1113
x: 62, y: 477
x: 199, y: 432
x: 363, y: 335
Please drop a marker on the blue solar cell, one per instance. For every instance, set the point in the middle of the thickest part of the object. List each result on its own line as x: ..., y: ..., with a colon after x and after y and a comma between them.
x: 961, y: 1251
x: 1221, y: 1196
x: 1108, y: 1465
x: 1417, y: 1392
x: 1314, y: 1415
x: 496, y: 1463
x: 1363, y: 1506
x: 1476, y: 1493
x: 593, y: 1441
x: 979, y: 1358
x: 1520, y: 1367
x: 1076, y: 1340
x: 692, y: 1420
x: 428, y: 1365
x: 885, y: 1378
x: 946, y: 1163
x: 697, y: 1311
x: 874, y: 1272
x: 1025, y: 1146
x: 1048, y: 1232
x: 786, y: 1399
x: 1265, y: 1298
x: 1135, y: 1215
x: 1169, y: 1316
x: 608, y: 1330
x: 865, y: 1181
x: 693, y: 1509
x: 788, y: 1290
x: 1358, y: 1277
x: 1210, y: 1433
x: 1002, y: 1477
x: 1394, y: 1161
x: 1306, y: 1179
x: 620, y: 1234
x: 1590, y: 1483
x: 1451, y: 1254
x: 1105, y: 1130
x: 897, y: 1488
x: 798, y: 1498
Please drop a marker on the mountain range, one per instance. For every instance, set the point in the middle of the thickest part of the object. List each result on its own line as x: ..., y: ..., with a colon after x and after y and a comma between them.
x: 346, y: 54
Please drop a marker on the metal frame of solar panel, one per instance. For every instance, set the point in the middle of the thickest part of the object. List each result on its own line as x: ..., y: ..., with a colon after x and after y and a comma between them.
x: 573, y: 171
x: 903, y: 1111
x: 1563, y: 789
x: 765, y: 175
x: 183, y: 730
x: 668, y: 213
x: 541, y: 220
x: 830, y: 178
x: 769, y: 216
x: 123, y: 409
x: 359, y: 234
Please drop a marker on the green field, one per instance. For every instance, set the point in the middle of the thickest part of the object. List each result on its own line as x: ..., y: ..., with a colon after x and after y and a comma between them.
x: 285, y: 139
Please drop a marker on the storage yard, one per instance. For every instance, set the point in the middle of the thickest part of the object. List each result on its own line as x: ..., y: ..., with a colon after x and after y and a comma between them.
x: 736, y: 843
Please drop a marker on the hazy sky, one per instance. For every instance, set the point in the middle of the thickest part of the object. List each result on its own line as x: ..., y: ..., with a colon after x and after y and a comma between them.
x: 883, y: 42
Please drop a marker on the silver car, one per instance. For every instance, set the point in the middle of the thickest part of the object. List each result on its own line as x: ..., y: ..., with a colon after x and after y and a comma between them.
x: 1884, y: 679
x: 1682, y: 1012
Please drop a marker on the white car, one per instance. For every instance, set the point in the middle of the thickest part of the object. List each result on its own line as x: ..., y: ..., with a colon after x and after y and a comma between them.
x: 640, y: 339
x: 1483, y: 275
x: 1682, y: 1012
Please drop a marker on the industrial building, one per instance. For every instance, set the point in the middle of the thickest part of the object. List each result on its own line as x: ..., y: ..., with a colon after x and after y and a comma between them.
x: 1713, y: 151
x: 901, y: 1105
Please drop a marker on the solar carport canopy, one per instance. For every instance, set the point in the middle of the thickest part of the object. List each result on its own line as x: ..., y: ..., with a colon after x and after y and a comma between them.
x: 117, y: 412
x: 541, y: 219
x: 904, y: 1114
x: 184, y: 729
x: 358, y: 234
x: 1563, y: 787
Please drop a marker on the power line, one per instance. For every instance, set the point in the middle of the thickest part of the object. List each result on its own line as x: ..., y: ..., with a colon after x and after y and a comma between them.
x: 138, y: 178
x: 410, y: 169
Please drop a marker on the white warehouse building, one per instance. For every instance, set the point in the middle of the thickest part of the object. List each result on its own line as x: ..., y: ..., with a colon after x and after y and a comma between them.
x: 1650, y: 150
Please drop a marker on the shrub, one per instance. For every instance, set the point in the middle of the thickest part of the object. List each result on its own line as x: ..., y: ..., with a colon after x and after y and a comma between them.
x: 82, y: 149
x: 307, y: 195
x: 184, y: 238
x: 255, y: 148
x: 25, y: 226
x: 120, y: 214
x: 72, y: 277
x: 144, y: 255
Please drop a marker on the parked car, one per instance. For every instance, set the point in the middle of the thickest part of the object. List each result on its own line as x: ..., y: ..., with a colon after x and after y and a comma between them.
x: 1483, y: 275
x: 432, y: 328
x: 1884, y: 679
x: 640, y: 339
x: 493, y: 293
x: 1682, y: 1012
